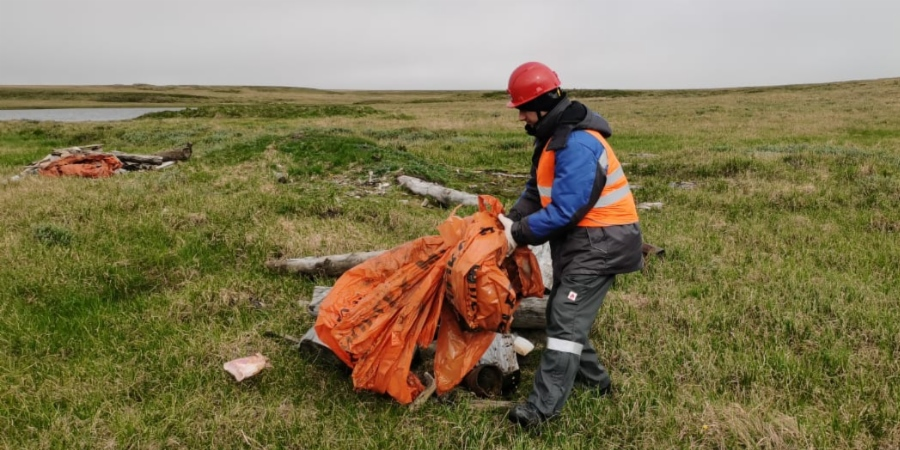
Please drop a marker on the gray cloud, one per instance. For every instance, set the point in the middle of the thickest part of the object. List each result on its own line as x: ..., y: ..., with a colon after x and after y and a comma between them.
x: 463, y: 44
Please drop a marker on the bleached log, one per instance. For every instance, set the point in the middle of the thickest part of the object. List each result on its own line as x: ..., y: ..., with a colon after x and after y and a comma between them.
x: 182, y: 153
x: 530, y: 315
x: 335, y: 265
x: 331, y: 266
x: 79, y: 149
x: 174, y: 154
x: 138, y: 159
x: 444, y: 195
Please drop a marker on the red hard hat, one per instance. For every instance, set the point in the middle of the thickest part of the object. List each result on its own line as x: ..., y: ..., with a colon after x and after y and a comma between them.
x: 529, y: 81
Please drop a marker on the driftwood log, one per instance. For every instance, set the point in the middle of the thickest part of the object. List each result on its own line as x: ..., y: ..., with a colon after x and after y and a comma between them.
x: 130, y: 162
x: 531, y: 314
x: 336, y: 265
x: 444, y: 195
x: 138, y: 159
x: 98, y: 148
x: 332, y: 266
x: 182, y: 153
x: 74, y: 150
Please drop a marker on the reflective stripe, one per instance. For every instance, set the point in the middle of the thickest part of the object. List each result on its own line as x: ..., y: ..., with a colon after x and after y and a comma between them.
x: 613, y: 196
x: 607, y: 199
x: 564, y: 346
x: 615, y: 176
x: 604, y: 161
x: 610, y: 179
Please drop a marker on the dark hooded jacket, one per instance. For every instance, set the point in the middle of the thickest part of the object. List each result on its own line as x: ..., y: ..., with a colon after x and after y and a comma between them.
x: 575, y: 250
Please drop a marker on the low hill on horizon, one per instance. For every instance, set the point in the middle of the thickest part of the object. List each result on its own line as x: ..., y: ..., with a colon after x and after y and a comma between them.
x: 27, y: 90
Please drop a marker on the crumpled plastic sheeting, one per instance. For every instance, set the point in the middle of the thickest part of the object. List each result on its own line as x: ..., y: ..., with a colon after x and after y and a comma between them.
x: 379, y: 311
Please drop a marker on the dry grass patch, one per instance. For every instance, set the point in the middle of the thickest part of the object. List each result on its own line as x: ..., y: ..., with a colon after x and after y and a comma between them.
x: 634, y: 300
x: 730, y: 426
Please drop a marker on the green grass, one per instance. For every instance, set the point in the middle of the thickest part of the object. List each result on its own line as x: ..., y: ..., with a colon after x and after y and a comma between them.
x: 772, y: 321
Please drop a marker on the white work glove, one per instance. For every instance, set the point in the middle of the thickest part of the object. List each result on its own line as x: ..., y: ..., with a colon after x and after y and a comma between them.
x: 507, y: 229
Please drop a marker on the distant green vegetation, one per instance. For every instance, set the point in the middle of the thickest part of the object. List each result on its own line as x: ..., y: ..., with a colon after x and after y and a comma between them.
x: 332, y: 151
x: 264, y: 111
x: 103, y: 97
x: 146, y: 97
x: 607, y: 93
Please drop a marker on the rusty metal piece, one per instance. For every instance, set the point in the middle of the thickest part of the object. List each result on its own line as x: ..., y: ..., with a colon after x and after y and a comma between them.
x: 485, y: 380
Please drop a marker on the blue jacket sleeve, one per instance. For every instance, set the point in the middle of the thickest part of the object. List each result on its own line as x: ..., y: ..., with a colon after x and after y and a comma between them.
x: 578, y: 181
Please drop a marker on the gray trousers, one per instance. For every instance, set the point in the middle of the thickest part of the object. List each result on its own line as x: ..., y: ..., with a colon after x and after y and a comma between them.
x: 571, y: 309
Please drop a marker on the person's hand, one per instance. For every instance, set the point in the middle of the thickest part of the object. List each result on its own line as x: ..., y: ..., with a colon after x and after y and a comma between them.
x: 507, y: 229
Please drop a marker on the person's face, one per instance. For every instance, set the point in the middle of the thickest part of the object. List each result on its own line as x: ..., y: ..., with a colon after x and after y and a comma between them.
x: 529, y: 117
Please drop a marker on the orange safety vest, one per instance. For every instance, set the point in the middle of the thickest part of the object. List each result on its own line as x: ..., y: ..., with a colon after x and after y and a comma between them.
x: 616, y: 203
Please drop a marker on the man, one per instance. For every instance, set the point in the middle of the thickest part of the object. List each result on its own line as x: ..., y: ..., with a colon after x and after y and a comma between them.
x: 579, y: 200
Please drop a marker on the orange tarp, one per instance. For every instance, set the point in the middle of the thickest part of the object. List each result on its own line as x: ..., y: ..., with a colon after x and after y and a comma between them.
x: 90, y: 165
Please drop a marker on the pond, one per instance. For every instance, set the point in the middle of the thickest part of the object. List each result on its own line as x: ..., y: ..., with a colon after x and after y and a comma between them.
x: 78, y: 114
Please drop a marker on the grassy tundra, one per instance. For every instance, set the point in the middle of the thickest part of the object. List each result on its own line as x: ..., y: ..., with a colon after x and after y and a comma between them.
x: 773, y: 321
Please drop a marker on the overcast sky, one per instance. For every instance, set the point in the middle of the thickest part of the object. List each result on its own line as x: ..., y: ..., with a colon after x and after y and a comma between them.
x: 448, y: 44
